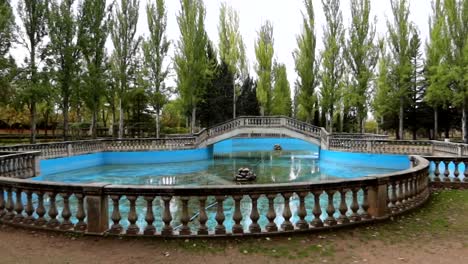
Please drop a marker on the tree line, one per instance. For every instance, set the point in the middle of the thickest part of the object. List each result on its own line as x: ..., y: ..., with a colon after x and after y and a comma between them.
x: 68, y: 72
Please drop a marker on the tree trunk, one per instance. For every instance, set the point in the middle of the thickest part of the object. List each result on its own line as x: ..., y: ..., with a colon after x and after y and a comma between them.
x: 436, y: 123
x: 330, y: 128
x: 194, y: 116
x: 401, y: 118
x: 464, y: 125
x: 111, y: 129
x: 65, y: 119
x: 93, y: 128
x: 233, y: 100
x: 33, y: 122
x: 46, y: 124
x: 121, y: 117
x: 157, y: 124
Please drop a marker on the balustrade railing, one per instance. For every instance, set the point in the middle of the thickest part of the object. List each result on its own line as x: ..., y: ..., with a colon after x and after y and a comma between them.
x: 212, y: 210
x: 449, y: 172
x: 381, y: 146
x: 20, y: 165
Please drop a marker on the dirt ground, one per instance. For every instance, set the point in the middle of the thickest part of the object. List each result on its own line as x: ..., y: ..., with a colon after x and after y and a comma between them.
x: 436, y: 234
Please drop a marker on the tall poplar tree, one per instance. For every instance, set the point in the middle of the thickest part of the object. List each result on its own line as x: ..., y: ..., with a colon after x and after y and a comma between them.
x: 155, y: 49
x: 400, y: 67
x: 33, y: 15
x: 281, y: 101
x: 307, y: 65
x: 232, y: 48
x: 7, y: 37
x: 457, y: 29
x: 191, y: 62
x: 63, y: 27
x: 437, y: 72
x: 93, y: 32
x: 123, y: 34
x: 333, y: 65
x: 361, y: 56
x: 264, y: 53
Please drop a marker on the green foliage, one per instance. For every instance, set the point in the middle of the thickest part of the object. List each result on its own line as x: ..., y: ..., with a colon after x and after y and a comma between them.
x: 123, y: 34
x: 400, y: 60
x: 247, y: 102
x: 307, y: 65
x: 281, y: 93
x: 437, y: 69
x: 64, y: 51
x: 361, y: 56
x: 155, y: 49
x: 231, y: 44
x: 33, y: 15
x: 264, y: 53
x: 231, y: 47
x: 333, y: 65
x: 191, y: 63
x: 7, y: 37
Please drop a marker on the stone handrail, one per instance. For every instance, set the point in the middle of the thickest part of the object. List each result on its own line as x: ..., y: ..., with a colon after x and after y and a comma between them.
x: 358, y: 136
x: 84, y: 207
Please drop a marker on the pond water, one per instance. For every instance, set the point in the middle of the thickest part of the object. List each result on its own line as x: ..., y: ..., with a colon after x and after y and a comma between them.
x: 297, y: 162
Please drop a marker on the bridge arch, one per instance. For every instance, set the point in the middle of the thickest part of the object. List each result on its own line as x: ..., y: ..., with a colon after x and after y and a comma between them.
x: 261, y: 125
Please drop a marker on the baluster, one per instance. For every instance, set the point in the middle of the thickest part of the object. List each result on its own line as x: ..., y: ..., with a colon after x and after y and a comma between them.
x: 116, y: 227
x: 302, y: 213
x: 203, y: 229
x: 343, y: 219
x: 317, y: 211
x: 365, y: 204
x: 167, y: 229
x: 10, y: 206
x: 40, y: 210
x: 254, y: 216
x: 271, y: 215
x: 330, y: 220
x: 66, y: 213
x: 18, y: 207
x: 404, y: 193
x: 399, y: 204
x: 53, y: 213
x: 456, y: 173
x: 237, y: 217
x: 80, y: 213
x: 133, y: 228
x: 185, y: 229
x: 393, y: 197
x: 149, y: 218
x: 355, y: 217
x: 2, y: 201
x: 287, y: 225
x: 437, y: 171
x: 220, y: 229
x: 446, y: 171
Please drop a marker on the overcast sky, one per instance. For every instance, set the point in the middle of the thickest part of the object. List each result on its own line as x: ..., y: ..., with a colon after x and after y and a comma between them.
x: 286, y: 18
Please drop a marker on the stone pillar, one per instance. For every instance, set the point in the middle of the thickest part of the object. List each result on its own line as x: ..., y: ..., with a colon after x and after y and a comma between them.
x: 459, y: 150
x: 69, y: 150
x: 378, y: 204
x: 36, y: 166
x: 97, y: 211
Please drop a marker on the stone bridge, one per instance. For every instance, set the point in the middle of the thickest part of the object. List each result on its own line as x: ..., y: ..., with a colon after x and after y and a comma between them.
x: 261, y: 126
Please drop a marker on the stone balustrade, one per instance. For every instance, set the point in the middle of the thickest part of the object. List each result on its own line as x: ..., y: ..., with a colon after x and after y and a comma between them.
x: 449, y: 172
x: 234, y: 210
x: 382, y: 146
x: 20, y: 165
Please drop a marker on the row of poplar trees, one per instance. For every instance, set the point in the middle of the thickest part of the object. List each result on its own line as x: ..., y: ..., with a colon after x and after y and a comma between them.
x: 394, y: 76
